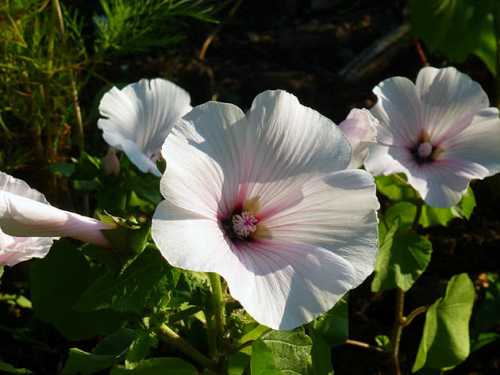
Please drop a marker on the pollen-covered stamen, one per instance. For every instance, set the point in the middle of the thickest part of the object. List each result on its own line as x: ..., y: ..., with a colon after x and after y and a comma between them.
x: 244, y: 224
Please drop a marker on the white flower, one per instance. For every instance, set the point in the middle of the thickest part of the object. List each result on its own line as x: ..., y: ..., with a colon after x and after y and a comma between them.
x: 265, y: 201
x: 360, y: 128
x: 29, y: 224
x: 139, y: 117
x: 440, y: 132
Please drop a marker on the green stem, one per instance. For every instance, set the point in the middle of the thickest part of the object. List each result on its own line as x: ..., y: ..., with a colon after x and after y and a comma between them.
x: 414, y: 314
x: 400, y: 321
x: 419, y: 205
x: 170, y: 337
x: 397, y: 330
x: 364, y: 345
x: 218, y: 305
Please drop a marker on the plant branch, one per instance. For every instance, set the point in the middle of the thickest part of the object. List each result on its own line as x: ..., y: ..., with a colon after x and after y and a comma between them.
x: 208, y: 41
x: 397, y: 331
x: 170, y: 337
x: 364, y: 345
x: 414, y: 314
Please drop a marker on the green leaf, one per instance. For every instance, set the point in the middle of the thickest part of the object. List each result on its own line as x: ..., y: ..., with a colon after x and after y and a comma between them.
x: 383, y: 342
x: 395, y: 187
x: 84, y: 363
x: 140, y: 348
x: 445, y: 340
x: 333, y: 326
x: 1, y: 274
x: 62, y: 169
x: 487, y: 47
x: 483, y: 339
x: 455, y: 28
x: 402, y: 258
x: 282, y: 352
x: 9, y: 369
x: 405, y: 211
x: 237, y: 363
x: 109, y: 351
x: 117, y: 343
x: 144, y: 283
x: 442, y: 216
x: 155, y: 366
x: 321, y: 355
x: 57, y: 282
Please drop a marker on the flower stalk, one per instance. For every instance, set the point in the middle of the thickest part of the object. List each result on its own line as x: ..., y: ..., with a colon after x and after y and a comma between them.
x: 170, y: 337
x: 218, y: 305
x: 400, y: 320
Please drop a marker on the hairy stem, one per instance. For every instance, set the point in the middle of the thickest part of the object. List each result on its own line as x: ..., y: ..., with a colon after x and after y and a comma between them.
x: 170, y: 337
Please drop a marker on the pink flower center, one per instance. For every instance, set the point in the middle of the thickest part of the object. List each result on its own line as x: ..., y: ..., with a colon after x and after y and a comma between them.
x: 424, y: 150
x: 244, y: 224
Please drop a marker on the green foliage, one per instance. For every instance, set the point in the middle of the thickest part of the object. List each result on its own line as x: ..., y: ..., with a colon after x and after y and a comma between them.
x: 406, y: 199
x: 142, y: 284
x: 333, y: 326
x: 140, y: 348
x: 445, y: 340
x: 138, y: 26
x: 57, y: 281
x: 155, y: 366
x: 37, y: 78
x: 111, y: 350
x: 281, y: 352
x: 456, y: 28
x: 330, y: 329
x: 7, y: 368
x: 402, y: 258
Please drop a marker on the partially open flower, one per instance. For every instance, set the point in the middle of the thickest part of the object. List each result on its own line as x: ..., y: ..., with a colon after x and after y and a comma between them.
x: 29, y: 224
x: 360, y: 129
x: 265, y: 201
x: 138, y: 118
x: 440, y: 132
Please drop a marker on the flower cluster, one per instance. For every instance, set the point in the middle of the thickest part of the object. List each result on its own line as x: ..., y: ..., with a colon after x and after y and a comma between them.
x: 272, y: 199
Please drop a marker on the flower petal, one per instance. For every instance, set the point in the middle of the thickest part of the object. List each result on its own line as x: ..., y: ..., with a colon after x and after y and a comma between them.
x: 440, y: 184
x: 478, y: 145
x: 189, y: 240
x: 14, y: 250
x: 24, y: 212
x: 284, y: 285
x: 278, y: 284
x: 292, y: 138
x: 337, y: 213
x: 360, y: 128
x: 386, y: 160
x: 24, y: 217
x: 398, y: 111
x: 286, y: 140
x: 142, y: 114
x: 450, y: 99
x: 199, y: 149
